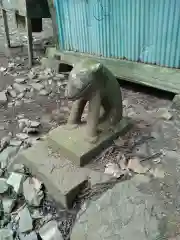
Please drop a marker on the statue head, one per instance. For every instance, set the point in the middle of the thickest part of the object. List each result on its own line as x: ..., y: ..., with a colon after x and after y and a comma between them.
x: 81, y: 78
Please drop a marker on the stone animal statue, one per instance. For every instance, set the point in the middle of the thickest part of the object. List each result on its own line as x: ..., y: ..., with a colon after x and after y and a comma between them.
x: 90, y: 81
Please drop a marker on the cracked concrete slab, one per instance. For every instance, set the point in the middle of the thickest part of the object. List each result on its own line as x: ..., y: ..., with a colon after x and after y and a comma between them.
x: 62, y: 179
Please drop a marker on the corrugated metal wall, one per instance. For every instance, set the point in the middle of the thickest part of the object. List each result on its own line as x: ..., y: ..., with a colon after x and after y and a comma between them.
x: 138, y: 30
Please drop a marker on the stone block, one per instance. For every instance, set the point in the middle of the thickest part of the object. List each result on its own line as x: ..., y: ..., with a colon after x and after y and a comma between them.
x: 72, y: 143
x: 62, y: 180
x: 50, y: 231
x: 3, y: 98
x: 50, y: 63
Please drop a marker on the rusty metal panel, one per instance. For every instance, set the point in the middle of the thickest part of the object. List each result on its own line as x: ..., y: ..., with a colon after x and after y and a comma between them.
x: 139, y: 30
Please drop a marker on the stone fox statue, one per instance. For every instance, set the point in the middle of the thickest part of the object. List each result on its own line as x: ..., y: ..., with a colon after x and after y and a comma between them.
x: 90, y: 81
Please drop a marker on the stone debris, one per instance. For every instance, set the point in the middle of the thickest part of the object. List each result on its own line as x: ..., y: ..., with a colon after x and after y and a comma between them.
x: 32, y: 191
x: 19, y: 168
x: 20, y: 87
x: 22, y: 136
x: 3, y: 185
x: 20, y: 80
x: 161, y: 113
x: 3, y: 97
x: 25, y: 221
x: 44, y: 92
x: 12, y: 93
x: 8, y: 204
x: 5, y: 141
x: 15, y: 180
x: 3, y: 69
x: 135, y: 166
x: 50, y: 231
x: 37, y: 86
x: 6, y: 234
x: 113, y: 169
x: 30, y: 236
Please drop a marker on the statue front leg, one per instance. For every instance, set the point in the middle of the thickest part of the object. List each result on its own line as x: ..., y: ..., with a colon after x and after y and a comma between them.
x: 76, y: 112
x: 93, y: 116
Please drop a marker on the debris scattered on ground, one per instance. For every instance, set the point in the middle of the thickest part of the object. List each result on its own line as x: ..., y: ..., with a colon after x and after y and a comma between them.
x: 25, y: 221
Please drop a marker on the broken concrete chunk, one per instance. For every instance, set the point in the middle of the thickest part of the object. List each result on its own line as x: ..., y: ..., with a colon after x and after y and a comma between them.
x: 20, y: 80
x: 6, y: 234
x: 3, y: 185
x: 5, y: 141
x: 113, y: 169
x: 8, y: 204
x: 16, y: 143
x: 3, y: 98
x: 43, y: 92
x: 25, y: 220
x: 19, y: 168
x: 135, y: 165
x: 50, y: 231
x: 34, y: 124
x: 22, y: 136
x: 7, y: 155
x: 32, y: 191
x: 12, y: 93
x: 37, y: 86
x: 15, y: 180
x: 20, y: 87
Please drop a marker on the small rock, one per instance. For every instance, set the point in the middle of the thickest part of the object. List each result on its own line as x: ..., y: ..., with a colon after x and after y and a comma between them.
x: 113, y: 170
x: 135, y: 165
x: 161, y: 113
x: 6, y: 234
x: 50, y: 231
x: 8, y: 204
x: 5, y: 141
x: 36, y: 214
x: 32, y: 75
x: 12, y: 93
x: 30, y: 130
x: 20, y: 80
x: 3, y: 97
x: 21, y: 95
x: 15, y: 180
x: 35, y: 124
x: 25, y: 220
x: 37, y: 86
x: 19, y: 168
x: 43, y: 92
x: 6, y: 155
x: 3, y: 185
x: 20, y: 87
x: 22, y: 136
x: 2, y: 69
x: 60, y: 76
x: 176, y: 102
x: 32, y: 191
x: 157, y: 173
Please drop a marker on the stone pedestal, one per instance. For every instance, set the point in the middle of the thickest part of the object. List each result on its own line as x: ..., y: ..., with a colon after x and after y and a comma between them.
x: 73, y: 144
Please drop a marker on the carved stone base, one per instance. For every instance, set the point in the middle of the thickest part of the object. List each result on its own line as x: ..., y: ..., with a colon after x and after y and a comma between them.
x: 71, y: 143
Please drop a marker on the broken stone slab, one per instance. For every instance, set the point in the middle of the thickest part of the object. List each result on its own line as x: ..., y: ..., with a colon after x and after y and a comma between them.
x: 37, y: 86
x: 20, y: 80
x: 6, y: 234
x: 20, y: 87
x: 25, y: 220
x: 73, y: 145
x: 50, y: 63
x: 3, y: 97
x: 62, y: 180
x: 15, y: 180
x: 7, y: 155
x: 3, y: 185
x: 50, y: 231
x: 8, y: 204
x: 32, y: 192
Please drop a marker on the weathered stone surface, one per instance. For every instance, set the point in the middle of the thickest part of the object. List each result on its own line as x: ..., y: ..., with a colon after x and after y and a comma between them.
x: 176, y: 102
x: 8, y: 204
x: 30, y: 236
x: 3, y: 97
x: 73, y: 143
x: 15, y: 180
x: 3, y: 185
x: 60, y: 177
x: 121, y: 213
x: 25, y: 220
x: 50, y: 231
x: 6, y: 234
x: 32, y: 192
